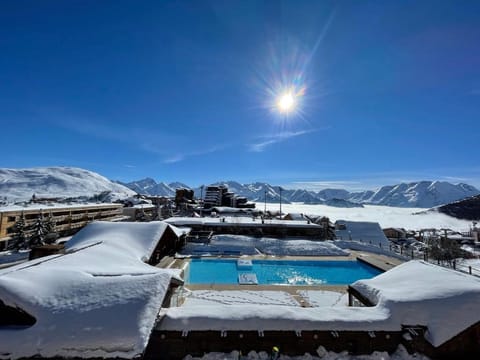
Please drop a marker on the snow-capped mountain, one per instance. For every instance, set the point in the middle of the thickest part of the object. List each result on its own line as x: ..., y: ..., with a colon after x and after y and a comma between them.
x: 148, y: 186
x: 424, y: 194
x: 329, y: 194
x: 59, y: 182
x: 67, y: 182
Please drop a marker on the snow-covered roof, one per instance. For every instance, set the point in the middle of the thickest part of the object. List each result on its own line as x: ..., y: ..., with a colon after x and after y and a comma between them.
x: 416, y: 292
x: 238, y: 221
x: 369, y: 232
x: 100, y: 299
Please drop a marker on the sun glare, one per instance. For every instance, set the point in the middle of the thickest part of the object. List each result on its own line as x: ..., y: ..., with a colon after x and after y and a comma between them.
x: 286, y: 102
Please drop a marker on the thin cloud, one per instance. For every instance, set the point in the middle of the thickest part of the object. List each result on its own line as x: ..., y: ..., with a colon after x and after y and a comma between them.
x: 182, y: 156
x: 276, y: 138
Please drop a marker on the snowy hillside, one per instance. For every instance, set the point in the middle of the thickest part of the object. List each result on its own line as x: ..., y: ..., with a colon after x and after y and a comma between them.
x: 468, y: 209
x: 62, y: 182
x: 422, y: 194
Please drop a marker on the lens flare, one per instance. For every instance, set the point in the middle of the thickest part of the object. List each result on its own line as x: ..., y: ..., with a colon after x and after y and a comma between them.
x: 286, y: 102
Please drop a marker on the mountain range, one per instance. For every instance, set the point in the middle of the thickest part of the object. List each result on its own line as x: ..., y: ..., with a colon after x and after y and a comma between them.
x: 68, y: 182
x: 422, y: 194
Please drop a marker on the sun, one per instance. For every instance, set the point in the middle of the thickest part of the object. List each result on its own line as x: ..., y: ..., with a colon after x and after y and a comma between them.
x: 286, y: 102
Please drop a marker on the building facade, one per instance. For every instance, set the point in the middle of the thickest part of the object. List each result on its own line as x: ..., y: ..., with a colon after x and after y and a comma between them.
x: 67, y: 219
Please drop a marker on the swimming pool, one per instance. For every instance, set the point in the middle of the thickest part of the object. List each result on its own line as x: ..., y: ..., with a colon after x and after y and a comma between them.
x: 278, y: 272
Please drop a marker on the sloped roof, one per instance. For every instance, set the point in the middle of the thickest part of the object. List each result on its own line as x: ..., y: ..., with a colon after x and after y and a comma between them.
x: 98, y: 300
x: 368, y: 232
x: 416, y: 292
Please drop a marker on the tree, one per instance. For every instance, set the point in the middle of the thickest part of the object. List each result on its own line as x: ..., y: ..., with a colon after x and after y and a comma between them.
x: 50, y: 233
x: 19, y: 238
x: 39, y: 231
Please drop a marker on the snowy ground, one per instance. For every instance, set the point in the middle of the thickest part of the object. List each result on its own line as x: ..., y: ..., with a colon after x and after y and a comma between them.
x: 386, y: 216
x: 232, y: 297
x: 315, y: 298
x: 463, y: 264
x: 319, y: 298
x: 322, y: 354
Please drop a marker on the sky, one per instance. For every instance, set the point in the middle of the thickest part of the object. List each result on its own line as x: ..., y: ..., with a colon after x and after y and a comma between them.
x: 381, y: 91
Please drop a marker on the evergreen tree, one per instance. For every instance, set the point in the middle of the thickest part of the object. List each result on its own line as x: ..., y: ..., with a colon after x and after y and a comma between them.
x: 51, y: 233
x: 19, y: 238
x: 39, y: 231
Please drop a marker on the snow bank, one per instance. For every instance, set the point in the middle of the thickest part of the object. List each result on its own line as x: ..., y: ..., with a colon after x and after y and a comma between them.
x: 416, y: 292
x: 98, y: 300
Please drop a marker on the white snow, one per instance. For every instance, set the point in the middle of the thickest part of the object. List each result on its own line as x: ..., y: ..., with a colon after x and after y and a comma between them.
x: 238, y: 221
x: 364, y: 231
x: 234, y: 297
x: 98, y: 300
x: 386, y: 216
x: 464, y: 264
x: 417, y: 292
x: 324, y: 298
x: 64, y: 182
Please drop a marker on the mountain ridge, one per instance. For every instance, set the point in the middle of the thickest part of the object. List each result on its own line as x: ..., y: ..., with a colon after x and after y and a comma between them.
x: 420, y: 194
x: 66, y: 182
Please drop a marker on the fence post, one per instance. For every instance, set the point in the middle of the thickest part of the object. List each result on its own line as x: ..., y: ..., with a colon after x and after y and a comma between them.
x: 470, y: 270
x: 454, y: 265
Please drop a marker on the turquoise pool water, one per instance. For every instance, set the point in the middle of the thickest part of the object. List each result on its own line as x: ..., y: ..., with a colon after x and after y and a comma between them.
x: 279, y: 272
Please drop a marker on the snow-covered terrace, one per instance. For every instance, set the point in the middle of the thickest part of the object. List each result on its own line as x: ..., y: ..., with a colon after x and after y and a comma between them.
x: 414, y: 293
x: 100, y: 299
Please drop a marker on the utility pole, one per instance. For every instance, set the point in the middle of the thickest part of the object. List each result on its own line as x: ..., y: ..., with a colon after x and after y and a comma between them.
x: 265, y: 205
x: 201, y: 199
x: 280, y: 188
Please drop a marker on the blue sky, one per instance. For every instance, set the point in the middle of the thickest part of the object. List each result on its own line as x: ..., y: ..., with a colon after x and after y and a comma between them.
x: 385, y: 91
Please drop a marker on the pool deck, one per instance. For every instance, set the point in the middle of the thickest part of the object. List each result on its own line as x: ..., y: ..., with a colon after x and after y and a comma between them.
x: 380, y: 262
